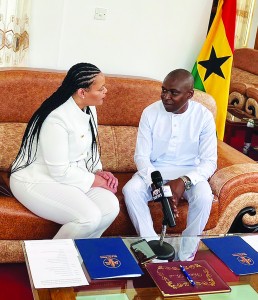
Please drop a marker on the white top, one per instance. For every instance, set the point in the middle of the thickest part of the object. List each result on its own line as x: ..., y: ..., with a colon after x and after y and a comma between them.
x: 64, y: 148
x: 176, y: 144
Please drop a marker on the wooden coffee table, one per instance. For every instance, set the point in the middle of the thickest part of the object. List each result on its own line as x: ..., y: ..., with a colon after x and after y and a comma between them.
x: 143, y: 287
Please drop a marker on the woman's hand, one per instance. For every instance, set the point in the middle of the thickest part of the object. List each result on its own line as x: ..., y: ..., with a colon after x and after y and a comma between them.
x: 112, y: 181
x: 100, y: 181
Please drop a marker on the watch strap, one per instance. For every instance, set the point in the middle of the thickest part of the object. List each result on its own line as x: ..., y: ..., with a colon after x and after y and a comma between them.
x: 187, y: 182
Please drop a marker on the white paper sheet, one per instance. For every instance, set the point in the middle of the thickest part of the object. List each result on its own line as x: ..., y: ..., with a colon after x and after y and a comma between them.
x: 252, y: 240
x: 54, y: 263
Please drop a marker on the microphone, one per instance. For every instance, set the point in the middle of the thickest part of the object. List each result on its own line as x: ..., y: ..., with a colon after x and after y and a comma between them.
x: 159, y: 194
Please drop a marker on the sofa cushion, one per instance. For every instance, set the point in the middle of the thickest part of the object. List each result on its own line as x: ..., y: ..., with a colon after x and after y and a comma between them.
x: 117, y: 147
x: 116, y: 152
x: 24, y: 90
x: 14, y: 215
x: 246, y: 59
x: 239, y: 87
x: 4, y: 189
x: 239, y: 75
x: 10, y: 140
x: 206, y: 100
x: 126, y: 99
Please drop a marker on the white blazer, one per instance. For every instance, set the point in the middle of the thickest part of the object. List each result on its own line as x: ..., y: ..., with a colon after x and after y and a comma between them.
x: 63, y: 150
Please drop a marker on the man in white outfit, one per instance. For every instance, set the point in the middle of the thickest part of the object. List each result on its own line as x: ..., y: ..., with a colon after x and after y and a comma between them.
x: 176, y: 136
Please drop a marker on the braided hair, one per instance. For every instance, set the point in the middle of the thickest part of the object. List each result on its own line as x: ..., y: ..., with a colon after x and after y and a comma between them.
x: 81, y: 75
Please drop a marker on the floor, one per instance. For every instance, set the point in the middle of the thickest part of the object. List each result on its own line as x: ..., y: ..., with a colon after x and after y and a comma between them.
x: 14, y: 282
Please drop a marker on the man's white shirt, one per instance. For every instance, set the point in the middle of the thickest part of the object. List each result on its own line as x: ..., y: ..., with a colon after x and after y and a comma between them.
x: 176, y: 144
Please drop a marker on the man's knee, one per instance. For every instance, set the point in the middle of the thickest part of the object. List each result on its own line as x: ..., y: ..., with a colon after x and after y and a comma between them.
x: 129, y: 188
x: 133, y: 191
x: 202, y: 195
x: 134, y: 185
x: 204, y: 200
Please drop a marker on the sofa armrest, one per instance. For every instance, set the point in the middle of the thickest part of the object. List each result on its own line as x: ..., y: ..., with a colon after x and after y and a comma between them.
x: 230, y: 182
x: 235, y: 184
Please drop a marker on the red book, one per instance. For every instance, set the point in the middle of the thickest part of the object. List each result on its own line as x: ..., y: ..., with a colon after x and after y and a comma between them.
x: 218, y: 265
x: 172, y: 281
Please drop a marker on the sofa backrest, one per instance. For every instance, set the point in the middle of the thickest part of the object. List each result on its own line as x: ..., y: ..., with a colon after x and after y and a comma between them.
x: 24, y: 89
x: 246, y: 59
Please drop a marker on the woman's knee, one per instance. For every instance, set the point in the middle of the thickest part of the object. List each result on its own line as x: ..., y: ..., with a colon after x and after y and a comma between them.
x: 114, y: 205
x: 90, y: 223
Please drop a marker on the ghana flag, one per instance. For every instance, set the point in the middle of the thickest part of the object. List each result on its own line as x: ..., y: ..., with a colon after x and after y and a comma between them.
x: 212, y: 69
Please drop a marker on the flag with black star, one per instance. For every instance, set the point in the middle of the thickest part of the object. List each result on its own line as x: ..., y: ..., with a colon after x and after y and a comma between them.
x: 212, y: 70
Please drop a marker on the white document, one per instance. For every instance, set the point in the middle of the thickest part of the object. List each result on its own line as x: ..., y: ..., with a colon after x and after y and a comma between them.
x: 54, y: 263
x: 252, y: 240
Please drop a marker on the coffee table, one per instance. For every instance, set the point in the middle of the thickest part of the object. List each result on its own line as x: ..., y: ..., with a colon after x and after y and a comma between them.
x: 140, y: 288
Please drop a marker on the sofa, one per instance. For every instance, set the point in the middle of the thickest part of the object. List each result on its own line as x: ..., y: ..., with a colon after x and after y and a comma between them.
x: 244, y: 75
x: 234, y: 184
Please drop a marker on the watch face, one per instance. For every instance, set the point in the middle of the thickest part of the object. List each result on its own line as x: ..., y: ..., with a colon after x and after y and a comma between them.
x: 187, y: 182
x: 188, y: 185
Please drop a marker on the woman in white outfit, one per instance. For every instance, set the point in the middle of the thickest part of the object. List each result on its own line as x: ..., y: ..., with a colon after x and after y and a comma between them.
x: 57, y: 173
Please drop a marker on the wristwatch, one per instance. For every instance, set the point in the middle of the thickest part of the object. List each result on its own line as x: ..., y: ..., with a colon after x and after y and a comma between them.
x: 187, y: 182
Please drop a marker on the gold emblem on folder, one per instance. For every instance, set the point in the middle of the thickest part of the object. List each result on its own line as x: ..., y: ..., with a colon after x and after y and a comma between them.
x: 244, y: 259
x: 111, y: 261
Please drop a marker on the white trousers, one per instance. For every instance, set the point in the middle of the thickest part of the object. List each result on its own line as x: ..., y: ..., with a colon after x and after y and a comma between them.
x: 137, y: 195
x: 82, y: 215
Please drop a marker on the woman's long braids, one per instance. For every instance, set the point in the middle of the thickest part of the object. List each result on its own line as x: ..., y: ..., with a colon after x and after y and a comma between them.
x: 94, y: 144
x: 79, y: 76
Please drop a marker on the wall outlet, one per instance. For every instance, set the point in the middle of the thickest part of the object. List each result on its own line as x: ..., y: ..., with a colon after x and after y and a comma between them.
x: 100, y: 14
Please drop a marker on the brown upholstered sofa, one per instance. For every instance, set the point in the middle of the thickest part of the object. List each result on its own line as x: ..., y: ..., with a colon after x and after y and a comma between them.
x: 244, y: 75
x: 235, y: 183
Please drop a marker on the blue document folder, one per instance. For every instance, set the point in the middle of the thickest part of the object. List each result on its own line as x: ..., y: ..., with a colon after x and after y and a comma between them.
x: 107, y: 258
x: 238, y: 255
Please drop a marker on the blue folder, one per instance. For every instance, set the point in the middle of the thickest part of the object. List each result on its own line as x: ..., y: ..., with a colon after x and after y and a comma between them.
x: 107, y: 258
x: 237, y: 254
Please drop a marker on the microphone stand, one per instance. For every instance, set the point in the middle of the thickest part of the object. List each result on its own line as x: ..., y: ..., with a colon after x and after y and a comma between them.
x: 163, y: 250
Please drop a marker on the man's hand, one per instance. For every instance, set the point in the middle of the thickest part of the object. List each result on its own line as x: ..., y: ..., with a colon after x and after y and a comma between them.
x: 177, y: 187
x: 106, y: 180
